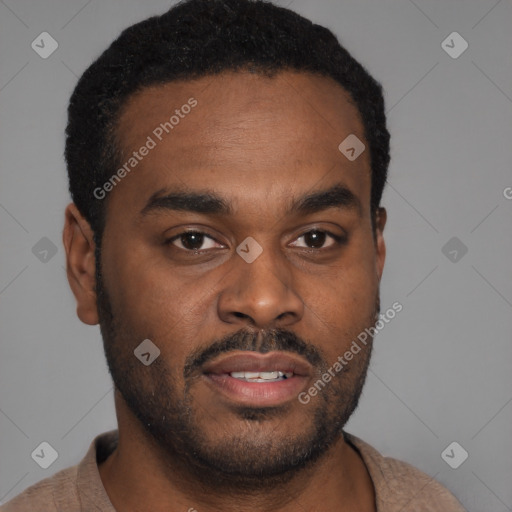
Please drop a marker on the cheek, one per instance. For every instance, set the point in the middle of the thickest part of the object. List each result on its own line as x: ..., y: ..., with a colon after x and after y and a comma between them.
x: 145, y: 287
x: 352, y: 282
x: 154, y: 302
x: 345, y: 303
x: 342, y: 303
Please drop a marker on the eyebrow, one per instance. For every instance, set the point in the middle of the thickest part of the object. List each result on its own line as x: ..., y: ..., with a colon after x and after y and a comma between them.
x: 208, y: 202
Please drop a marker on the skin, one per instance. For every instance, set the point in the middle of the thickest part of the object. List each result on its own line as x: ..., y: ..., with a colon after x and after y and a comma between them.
x: 259, y: 143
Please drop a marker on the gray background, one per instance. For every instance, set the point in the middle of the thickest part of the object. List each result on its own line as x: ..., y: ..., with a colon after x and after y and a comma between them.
x: 441, y: 368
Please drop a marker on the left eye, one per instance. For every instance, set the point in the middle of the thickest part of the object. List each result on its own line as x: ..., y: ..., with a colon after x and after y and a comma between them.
x: 315, y: 239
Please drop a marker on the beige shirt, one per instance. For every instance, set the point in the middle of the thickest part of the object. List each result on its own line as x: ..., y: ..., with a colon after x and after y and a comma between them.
x: 399, y: 487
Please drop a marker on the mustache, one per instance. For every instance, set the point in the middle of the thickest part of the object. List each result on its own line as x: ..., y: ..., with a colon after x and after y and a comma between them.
x: 260, y: 341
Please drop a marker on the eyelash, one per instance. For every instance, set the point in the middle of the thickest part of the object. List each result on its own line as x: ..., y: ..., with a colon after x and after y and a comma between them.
x: 339, y: 240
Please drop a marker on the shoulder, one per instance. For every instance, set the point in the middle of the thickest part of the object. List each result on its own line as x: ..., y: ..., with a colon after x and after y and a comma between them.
x: 46, y: 494
x: 398, y: 484
x: 72, y: 489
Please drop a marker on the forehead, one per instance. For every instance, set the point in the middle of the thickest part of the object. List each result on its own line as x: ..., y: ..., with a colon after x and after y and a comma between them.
x: 239, y: 129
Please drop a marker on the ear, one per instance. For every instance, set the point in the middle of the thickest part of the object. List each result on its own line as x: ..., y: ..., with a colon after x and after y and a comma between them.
x: 78, y: 240
x: 380, y: 221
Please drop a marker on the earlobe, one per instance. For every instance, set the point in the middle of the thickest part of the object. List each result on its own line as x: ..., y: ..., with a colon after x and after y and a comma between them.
x: 78, y: 240
x: 380, y: 223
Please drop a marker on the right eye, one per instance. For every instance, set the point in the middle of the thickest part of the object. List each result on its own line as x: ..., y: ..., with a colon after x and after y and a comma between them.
x: 191, y: 241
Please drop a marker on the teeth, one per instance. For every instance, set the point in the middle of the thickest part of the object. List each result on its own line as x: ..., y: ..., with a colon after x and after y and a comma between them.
x: 261, y: 376
x: 270, y: 375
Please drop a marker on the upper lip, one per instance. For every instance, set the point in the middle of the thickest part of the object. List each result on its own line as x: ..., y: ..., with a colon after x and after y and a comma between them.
x: 255, y: 362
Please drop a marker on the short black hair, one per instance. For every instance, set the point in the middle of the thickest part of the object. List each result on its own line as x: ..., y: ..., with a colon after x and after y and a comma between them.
x: 197, y: 38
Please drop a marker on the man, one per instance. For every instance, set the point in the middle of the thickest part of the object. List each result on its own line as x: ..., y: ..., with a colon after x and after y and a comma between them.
x: 226, y: 162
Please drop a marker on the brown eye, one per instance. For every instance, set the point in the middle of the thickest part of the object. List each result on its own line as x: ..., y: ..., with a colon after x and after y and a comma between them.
x: 192, y: 241
x: 316, y: 238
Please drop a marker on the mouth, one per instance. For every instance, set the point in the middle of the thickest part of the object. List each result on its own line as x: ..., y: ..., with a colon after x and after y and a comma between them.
x: 258, y: 380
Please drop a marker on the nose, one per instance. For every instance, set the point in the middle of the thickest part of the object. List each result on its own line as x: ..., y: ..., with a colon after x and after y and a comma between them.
x: 260, y: 294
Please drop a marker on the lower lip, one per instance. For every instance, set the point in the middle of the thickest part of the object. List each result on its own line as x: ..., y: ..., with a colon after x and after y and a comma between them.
x: 259, y: 394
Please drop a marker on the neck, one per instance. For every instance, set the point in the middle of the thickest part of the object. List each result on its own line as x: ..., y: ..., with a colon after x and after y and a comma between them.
x: 139, y: 475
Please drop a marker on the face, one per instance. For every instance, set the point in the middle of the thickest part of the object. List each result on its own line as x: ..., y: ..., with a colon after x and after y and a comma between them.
x: 241, y: 245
